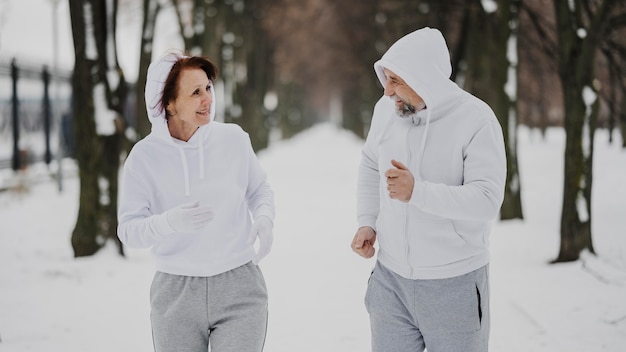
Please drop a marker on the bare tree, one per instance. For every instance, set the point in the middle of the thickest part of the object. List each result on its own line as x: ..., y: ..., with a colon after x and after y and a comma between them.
x: 98, y: 89
x: 582, y: 26
x: 491, y: 75
x: 611, y: 68
x: 151, y: 9
x: 540, y: 99
x: 307, y: 57
x: 231, y: 32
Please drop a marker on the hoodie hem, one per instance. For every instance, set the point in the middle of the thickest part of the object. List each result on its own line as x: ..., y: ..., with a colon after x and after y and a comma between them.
x: 206, y: 269
x: 434, y: 272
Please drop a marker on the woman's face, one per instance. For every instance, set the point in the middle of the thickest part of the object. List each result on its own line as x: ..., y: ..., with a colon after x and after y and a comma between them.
x: 193, y: 102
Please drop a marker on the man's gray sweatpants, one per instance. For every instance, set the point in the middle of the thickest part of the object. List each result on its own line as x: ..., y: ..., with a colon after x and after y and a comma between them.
x: 441, y: 315
x: 228, y: 310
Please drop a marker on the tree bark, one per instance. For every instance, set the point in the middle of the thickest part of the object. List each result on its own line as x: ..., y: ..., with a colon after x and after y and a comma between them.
x: 84, y: 236
x: 622, y: 117
x: 488, y: 37
x: 151, y: 9
x: 575, y: 227
x: 576, y: 71
x: 98, y: 156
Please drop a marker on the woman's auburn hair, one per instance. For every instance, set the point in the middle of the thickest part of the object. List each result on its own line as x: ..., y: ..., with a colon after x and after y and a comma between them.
x: 170, y: 88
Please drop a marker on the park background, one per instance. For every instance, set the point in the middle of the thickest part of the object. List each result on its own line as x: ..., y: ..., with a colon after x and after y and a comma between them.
x: 55, y: 295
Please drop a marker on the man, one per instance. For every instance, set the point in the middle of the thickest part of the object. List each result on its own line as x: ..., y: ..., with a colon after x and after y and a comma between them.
x: 431, y: 180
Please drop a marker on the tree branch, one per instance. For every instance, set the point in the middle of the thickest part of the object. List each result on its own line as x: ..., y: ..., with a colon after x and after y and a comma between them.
x: 548, y: 45
x: 617, y: 22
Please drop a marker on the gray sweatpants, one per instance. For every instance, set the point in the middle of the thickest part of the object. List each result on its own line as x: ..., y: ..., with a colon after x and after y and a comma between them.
x: 441, y: 315
x: 228, y: 310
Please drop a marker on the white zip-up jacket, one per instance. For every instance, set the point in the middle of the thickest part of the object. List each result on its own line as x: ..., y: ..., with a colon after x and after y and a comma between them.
x: 454, y: 148
x: 216, y: 167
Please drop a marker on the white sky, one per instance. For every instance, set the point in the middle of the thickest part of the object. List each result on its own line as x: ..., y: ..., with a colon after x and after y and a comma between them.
x: 26, y: 33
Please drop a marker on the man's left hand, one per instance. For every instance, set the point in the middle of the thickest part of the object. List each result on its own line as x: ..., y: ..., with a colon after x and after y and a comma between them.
x: 400, y: 181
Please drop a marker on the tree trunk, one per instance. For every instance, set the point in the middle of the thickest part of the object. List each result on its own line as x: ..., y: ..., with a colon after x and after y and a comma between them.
x: 506, y: 109
x: 575, y: 226
x: 488, y: 36
x: 214, y: 29
x: 84, y: 236
x: 294, y: 115
x: 253, y: 54
x: 622, y: 117
x: 359, y: 87
x: 151, y: 9
x: 576, y: 56
x: 98, y: 156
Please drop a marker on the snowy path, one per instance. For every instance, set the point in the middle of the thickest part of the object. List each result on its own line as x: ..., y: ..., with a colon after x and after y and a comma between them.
x: 52, y: 302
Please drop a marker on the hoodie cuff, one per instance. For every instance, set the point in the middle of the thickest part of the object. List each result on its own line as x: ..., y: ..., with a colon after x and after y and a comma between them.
x: 264, y: 210
x: 369, y: 221
x: 417, y: 197
x: 161, y: 226
x: 264, y: 217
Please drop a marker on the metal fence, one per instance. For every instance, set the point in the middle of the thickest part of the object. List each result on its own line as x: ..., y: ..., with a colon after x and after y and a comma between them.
x: 35, y: 115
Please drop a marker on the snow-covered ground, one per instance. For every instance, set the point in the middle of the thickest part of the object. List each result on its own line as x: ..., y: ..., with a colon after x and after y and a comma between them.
x: 50, y: 301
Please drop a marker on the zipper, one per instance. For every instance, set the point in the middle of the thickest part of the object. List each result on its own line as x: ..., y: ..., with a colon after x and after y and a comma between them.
x: 406, y: 217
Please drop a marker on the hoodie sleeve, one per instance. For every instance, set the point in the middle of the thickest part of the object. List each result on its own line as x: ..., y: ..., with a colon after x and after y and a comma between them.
x: 137, y: 226
x: 259, y: 194
x: 480, y: 196
x: 368, y: 179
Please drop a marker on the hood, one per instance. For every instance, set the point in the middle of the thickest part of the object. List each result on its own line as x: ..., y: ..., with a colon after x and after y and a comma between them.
x: 155, y: 81
x: 422, y: 60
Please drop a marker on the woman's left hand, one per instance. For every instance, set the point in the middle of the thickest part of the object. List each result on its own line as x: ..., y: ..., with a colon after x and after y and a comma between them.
x: 262, y: 228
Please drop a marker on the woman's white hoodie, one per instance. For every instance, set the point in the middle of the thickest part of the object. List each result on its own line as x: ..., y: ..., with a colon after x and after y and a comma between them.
x: 216, y: 167
x: 454, y: 149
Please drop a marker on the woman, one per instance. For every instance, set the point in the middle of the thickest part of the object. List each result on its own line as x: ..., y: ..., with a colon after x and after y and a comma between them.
x: 189, y: 191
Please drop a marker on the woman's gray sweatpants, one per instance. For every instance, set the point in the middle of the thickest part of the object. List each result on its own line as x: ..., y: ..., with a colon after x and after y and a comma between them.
x: 228, y: 310
x: 441, y: 315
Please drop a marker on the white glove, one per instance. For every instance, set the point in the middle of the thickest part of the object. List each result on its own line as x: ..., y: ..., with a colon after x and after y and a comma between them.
x: 184, y: 218
x: 262, y: 228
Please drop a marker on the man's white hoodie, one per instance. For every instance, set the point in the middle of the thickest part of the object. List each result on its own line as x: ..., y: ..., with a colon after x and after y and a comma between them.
x: 454, y: 148
x: 216, y: 167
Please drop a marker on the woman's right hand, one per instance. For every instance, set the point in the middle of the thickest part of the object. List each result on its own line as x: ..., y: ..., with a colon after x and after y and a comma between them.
x: 189, y: 217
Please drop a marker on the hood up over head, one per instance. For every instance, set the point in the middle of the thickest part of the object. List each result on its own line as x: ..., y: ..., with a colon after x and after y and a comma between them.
x: 155, y: 82
x: 158, y: 72
x: 422, y: 60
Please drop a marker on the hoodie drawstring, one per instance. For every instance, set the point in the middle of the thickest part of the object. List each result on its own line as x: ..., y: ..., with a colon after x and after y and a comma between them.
x: 201, y: 158
x: 183, y: 159
x: 185, y: 170
x: 423, y: 144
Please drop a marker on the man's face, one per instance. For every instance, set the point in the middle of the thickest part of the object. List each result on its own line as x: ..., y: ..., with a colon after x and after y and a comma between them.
x: 407, y: 101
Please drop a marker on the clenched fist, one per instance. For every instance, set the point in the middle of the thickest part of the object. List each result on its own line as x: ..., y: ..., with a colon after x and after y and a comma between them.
x: 400, y: 182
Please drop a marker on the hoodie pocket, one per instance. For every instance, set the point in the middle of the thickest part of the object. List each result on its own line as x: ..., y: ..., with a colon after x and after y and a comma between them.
x: 434, y: 242
x: 475, y: 233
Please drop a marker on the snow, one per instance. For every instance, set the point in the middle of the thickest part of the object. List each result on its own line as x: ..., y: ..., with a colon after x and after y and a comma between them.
x: 490, y: 6
x: 50, y: 301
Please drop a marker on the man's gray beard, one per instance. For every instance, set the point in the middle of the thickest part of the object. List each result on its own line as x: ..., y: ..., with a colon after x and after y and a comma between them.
x: 406, y: 110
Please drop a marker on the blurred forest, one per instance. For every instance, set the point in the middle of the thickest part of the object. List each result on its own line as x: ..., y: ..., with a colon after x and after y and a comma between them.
x: 288, y: 64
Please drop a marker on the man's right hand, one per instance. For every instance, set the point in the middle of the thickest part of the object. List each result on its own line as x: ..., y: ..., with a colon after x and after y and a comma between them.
x: 363, y: 242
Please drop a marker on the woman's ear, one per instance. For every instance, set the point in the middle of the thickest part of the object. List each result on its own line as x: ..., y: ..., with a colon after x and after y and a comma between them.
x: 169, y: 110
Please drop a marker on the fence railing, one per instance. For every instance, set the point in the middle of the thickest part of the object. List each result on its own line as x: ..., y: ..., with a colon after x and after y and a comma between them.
x: 35, y: 118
